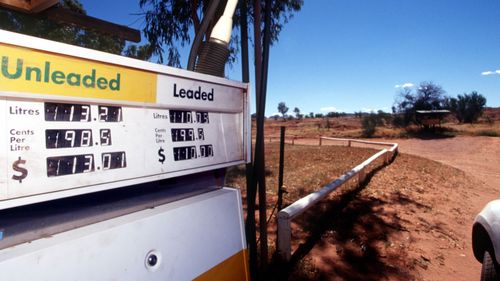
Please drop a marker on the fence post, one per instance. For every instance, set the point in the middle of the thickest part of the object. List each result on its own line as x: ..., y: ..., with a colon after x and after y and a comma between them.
x: 349, y: 143
x: 320, y: 140
x: 281, y: 168
x: 361, y: 176
x: 284, y: 236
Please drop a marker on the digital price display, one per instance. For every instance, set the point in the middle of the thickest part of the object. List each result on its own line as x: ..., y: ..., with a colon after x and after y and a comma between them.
x: 70, y: 165
x: 67, y: 112
x: 74, y: 121
x: 68, y: 138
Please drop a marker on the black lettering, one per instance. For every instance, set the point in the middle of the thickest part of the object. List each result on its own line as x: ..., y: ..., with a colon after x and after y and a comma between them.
x: 197, y: 94
x: 175, y: 91
x: 211, y: 95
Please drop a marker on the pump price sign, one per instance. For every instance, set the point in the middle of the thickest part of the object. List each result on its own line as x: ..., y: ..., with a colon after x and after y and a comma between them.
x: 75, y: 121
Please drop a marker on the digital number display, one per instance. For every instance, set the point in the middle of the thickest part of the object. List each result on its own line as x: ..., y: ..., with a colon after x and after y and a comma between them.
x: 187, y: 134
x: 67, y: 112
x: 185, y: 117
x: 105, y: 136
x: 182, y: 135
x: 180, y: 116
x: 184, y: 153
x: 74, y: 138
x: 202, y: 117
x: 206, y: 150
x: 110, y: 113
x: 113, y: 160
x: 70, y: 165
x: 68, y: 138
x: 201, y: 134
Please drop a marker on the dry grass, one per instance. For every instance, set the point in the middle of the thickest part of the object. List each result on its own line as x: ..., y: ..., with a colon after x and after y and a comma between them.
x: 409, y: 222
x: 350, y: 127
x: 307, y: 168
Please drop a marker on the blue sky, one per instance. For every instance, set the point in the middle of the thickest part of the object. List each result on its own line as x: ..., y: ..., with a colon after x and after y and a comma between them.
x: 351, y: 55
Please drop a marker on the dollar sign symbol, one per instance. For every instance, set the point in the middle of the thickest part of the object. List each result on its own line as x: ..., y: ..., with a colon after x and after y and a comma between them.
x: 23, y: 171
x: 162, y: 156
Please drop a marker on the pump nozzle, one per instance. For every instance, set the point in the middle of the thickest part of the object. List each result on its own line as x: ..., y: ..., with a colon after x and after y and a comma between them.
x: 213, y: 54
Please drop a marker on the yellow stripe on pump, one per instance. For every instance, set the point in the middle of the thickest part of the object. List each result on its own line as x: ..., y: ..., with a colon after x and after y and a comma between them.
x: 234, y: 268
x: 31, y: 71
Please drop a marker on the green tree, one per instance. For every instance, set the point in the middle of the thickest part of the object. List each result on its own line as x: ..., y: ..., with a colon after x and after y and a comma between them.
x: 39, y: 27
x: 296, y: 110
x: 369, y: 124
x: 170, y: 23
x: 283, y: 109
x: 428, y: 96
x: 142, y: 52
x: 383, y: 118
x: 468, y: 108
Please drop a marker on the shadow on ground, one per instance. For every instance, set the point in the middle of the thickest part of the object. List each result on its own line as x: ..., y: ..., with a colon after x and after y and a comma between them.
x: 431, y: 133
x: 352, y: 233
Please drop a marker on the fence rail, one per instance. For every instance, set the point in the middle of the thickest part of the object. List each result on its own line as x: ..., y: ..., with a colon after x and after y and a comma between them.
x: 289, y: 213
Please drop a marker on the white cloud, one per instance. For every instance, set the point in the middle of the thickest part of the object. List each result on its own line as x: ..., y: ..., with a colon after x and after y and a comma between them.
x: 369, y: 110
x: 497, y: 71
x: 485, y: 73
x: 329, y: 109
x: 405, y: 85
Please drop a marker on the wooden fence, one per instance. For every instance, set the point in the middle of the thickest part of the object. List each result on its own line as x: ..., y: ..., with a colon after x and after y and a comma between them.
x: 286, y: 215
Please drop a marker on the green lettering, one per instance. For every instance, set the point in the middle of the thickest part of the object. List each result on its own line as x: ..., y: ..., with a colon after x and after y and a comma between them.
x: 46, y: 75
x: 5, y: 68
x: 37, y: 72
x: 102, y: 83
x: 114, y: 84
x: 74, y: 79
x: 58, y: 77
x: 89, y: 80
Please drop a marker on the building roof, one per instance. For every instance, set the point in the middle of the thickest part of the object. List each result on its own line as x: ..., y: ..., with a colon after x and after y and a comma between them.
x: 433, y: 111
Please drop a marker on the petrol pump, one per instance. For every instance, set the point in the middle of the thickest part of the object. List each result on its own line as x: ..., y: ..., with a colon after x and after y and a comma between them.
x: 112, y: 168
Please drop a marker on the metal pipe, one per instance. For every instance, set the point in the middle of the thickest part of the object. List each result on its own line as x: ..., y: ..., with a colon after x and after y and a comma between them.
x: 193, y: 53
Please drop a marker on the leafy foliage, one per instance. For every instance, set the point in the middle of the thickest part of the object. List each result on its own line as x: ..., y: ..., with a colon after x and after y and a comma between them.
x: 142, y: 52
x: 40, y: 27
x: 428, y: 96
x: 296, y: 110
x: 369, y: 124
x: 336, y: 114
x: 282, y: 108
x: 170, y: 23
x: 468, y: 108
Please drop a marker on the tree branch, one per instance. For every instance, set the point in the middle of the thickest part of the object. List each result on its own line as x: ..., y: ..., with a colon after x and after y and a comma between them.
x: 194, y: 15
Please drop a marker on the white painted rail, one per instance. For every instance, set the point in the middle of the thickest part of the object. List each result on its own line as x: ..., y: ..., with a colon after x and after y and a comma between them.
x: 286, y: 215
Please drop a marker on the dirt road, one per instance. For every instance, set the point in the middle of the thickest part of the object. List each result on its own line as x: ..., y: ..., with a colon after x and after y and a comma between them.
x: 477, y: 156
x: 413, y: 220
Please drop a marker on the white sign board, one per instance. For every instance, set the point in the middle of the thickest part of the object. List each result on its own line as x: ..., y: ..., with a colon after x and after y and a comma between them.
x: 75, y: 121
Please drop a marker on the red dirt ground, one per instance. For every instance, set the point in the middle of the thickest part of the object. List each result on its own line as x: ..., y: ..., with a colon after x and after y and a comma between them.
x: 412, y: 221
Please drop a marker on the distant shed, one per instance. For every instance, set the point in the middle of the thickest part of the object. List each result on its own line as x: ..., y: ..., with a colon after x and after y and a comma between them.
x: 431, y: 118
